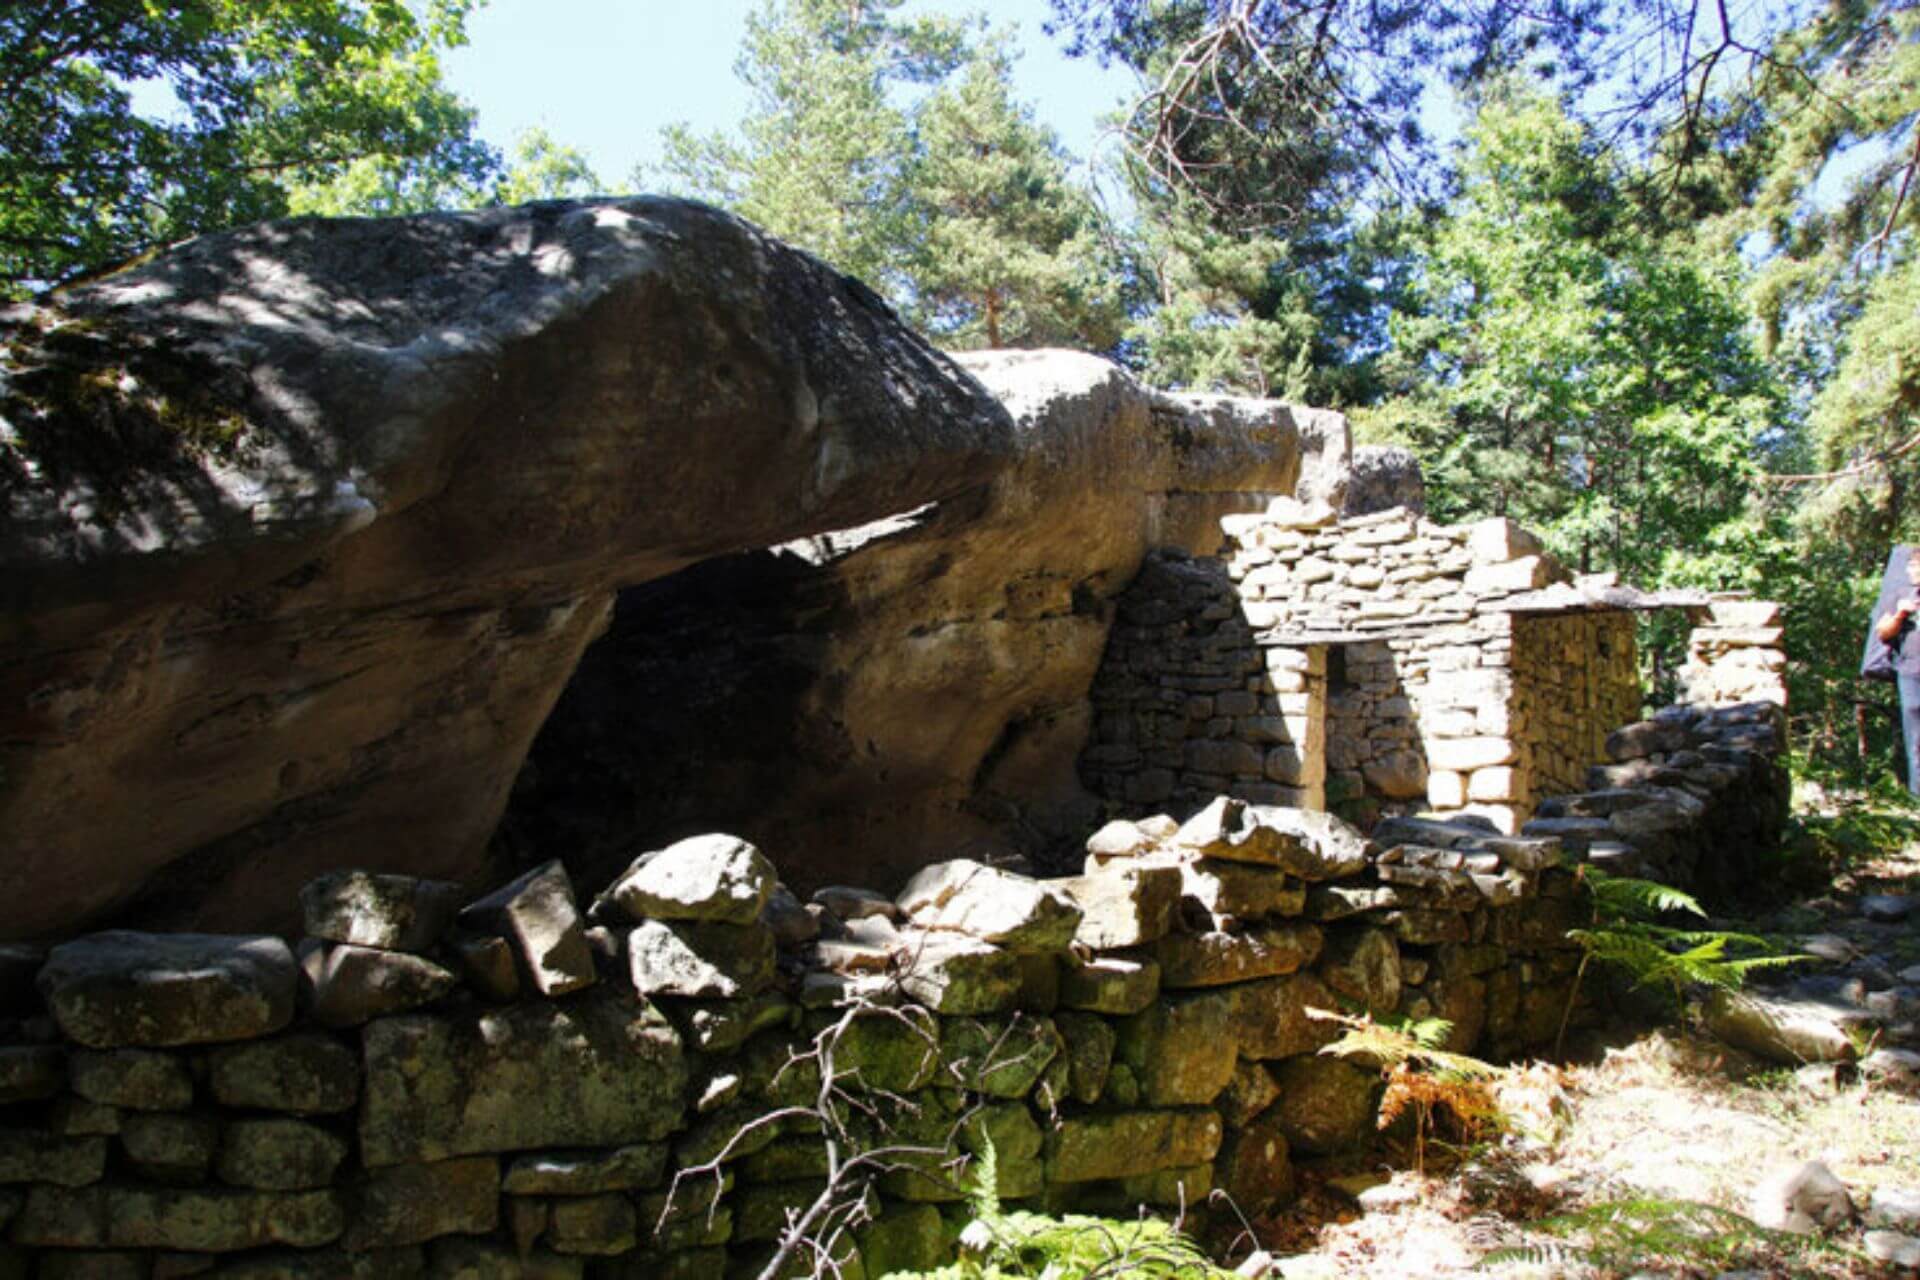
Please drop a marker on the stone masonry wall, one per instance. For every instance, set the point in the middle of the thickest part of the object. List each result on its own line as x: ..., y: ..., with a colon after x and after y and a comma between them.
x: 1734, y: 654
x: 1385, y: 664
x: 1576, y: 678
x: 517, y: 1087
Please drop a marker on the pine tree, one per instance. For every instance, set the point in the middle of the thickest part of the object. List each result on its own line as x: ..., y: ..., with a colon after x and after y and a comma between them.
x: 822, y: 156
x: 1012, y: 253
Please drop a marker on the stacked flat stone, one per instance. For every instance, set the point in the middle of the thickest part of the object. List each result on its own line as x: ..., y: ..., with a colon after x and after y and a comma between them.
x: 1381, y: 664
x: 1694, y: 797
x: 516, y: 1088
x: 1735, y: 654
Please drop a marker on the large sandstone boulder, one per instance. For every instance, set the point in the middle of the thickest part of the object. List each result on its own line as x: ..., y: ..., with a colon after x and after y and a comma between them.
x: 870, y: 701
x: 304, y: 527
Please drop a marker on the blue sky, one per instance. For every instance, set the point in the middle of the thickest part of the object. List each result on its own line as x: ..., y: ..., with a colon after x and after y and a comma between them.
x: 606, y: 75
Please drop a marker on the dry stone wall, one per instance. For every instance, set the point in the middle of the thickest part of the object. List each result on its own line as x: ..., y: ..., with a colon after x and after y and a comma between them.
x: 529, y: 1085
x: 1734, y: 654
x: 1382, y: 664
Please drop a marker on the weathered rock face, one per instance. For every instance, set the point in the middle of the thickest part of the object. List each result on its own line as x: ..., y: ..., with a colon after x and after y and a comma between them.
x: 875, y: 700
x: 306, y: 526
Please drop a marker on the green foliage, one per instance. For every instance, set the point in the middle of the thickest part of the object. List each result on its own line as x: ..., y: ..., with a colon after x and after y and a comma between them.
x: 1851, y: 823
x: 1642, y: 1232
x: 1629, y: 933
x: 896, y: 151
x: 278, y: 106
x: 1077, y: 1247
x: 1419, y: 1043
x: 1422, y: 1076
x: 1012, y: 253
x: 822, y: 155
x: 1207, y: 330
x: 541, y: 168
x: 1564, y: 367
x: 1002, y: 1245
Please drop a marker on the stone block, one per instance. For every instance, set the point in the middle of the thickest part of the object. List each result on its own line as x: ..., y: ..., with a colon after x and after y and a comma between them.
x: 1326, y: 1105
x: 700, y: 959
x: 632, y: 1167
x: 898, y: 1052
x: 78, y: 1118
x: 1364, y: 966
x: 488, y: 965
x: 721, y: 1026
x: 791, y: 923
x: 709, y: 877
x: 1120, y: 839
x: 191, y: 1220
x: 173, y: 1147
x: 1496, y: 540
x: 306, y: 1073
x: 1426, y: 928
x: 1215, y: 959
x: 1269, y: 1019
x: 1446, y: 789
x: 1241, y: 890
x: 278, y: 1153
x: 1012, y: 911
x: 786, y: 1159
x: 1224, y: 756
x: 463, y: 1258
x: 599, y: 1225
x: 1089, y: 1045
x: 1782, y: 1030
x: 732, y: 1133
x: 955, y: 974
x: 1181, y: 1049
x: 139, y: 1079
x: 1123, y: 904
x: 34, y: 1155
x: 1645, y: 738
x: 120, y: 988
x: 904, y: 1240
x: 31, y: 1072
x: 1397, y: 775
x: 1286, y: 764
x: 1250, y: 1091
x: 1109, y: 984
x: 1464, y: 755
x: 1001, y: 1058
x: 439, y: 1086
x: 1104, y: 1145
x: 1306, y: 843
x: 1505, y: 818
x: 538, y: 915
x: 1745, y: 613
x: 1255, y: 1166
x: 1498, y: 784
x: 366, y: 909
x: 347, y: 985
x: 850, y: 902
x: 413, y: 1203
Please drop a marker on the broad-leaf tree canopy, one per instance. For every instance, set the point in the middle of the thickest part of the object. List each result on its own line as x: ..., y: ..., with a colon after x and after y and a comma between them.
x: 125, y: 123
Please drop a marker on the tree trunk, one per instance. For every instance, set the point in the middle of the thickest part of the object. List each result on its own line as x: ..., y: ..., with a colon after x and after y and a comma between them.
x: 993, y: 317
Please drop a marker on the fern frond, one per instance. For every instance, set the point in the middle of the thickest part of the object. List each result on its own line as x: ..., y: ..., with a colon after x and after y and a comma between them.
x: 983, y: 1196
x: 1625, y: 898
